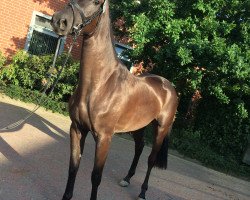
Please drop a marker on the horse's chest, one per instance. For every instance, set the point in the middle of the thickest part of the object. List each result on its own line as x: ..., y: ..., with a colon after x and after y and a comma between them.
x: 83, y: 113
x: 95, y: 111
x: 79, y: 113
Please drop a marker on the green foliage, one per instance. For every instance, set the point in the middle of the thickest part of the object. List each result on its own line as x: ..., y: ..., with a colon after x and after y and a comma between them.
x: 226, y: 130
x: 30, y: 72
x: 179, y: 36
x: 32, y: 96
x: 199, y: 45
x: 25, y: 76
x: 2, y: 60
x: 189, y: 143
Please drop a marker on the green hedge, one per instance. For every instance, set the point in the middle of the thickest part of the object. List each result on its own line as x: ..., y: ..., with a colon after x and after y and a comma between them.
x: 30, y: 72
x: 33, y: 96
x: 26, y: 74
x: 189, y: 143
x: 2, y: 60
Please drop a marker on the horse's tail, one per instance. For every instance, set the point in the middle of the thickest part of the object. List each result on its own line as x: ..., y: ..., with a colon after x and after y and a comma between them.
x: 161, y: 161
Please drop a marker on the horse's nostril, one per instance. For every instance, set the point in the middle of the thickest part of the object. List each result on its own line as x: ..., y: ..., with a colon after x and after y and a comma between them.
x: 62, y: 24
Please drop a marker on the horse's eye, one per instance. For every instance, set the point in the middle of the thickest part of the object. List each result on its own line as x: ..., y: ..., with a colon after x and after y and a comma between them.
x: 97, y: 2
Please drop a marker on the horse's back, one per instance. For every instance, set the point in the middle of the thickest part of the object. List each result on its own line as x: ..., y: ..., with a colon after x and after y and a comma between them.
x: 164, y: 89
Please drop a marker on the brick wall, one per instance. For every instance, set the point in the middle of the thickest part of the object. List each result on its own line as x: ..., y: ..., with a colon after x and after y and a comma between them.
x: 15, y: 18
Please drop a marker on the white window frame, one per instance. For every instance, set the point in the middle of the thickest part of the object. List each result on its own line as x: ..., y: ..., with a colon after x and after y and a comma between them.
x: 44, y: 30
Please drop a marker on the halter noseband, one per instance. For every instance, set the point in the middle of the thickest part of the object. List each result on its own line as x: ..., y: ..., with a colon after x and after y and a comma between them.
x: 85, y: 20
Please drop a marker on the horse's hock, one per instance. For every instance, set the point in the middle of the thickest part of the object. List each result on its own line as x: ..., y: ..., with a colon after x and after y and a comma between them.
x: 246, y: 158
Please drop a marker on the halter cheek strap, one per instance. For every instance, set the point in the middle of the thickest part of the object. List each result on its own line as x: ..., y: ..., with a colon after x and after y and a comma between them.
x: 85, y: 20
x: 73, y: 4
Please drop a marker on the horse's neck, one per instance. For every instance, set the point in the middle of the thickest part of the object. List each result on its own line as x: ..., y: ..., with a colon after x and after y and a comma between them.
x: 98, y: 58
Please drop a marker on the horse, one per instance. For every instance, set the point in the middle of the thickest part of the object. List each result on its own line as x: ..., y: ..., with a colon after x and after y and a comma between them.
x: 101, y: 102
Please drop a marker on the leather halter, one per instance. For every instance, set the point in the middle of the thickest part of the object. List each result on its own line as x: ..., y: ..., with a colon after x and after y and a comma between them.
x: 85, y: 20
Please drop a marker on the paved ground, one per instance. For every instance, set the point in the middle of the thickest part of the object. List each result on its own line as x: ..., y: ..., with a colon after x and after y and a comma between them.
x: 34, y: 163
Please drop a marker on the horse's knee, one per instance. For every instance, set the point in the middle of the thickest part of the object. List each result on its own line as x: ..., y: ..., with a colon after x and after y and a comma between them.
x: 73, y: 168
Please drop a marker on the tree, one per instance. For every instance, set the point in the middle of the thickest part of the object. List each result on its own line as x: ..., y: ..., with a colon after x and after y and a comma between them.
x: 199, y: 45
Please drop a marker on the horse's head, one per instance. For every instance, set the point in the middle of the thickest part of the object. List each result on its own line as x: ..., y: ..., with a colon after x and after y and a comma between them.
x: 78, y: 15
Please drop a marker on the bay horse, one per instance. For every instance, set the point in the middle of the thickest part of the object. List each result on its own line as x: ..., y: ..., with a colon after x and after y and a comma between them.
x: 101, y: 103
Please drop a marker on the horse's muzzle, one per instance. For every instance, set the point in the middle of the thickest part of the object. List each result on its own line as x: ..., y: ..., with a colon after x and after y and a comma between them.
x: 59, y: 24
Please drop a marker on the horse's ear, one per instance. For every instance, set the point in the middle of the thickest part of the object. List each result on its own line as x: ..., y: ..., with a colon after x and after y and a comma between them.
x: 104, y: 2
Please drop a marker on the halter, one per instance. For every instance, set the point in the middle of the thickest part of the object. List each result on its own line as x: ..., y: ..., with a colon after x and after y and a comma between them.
x: 85, y: 20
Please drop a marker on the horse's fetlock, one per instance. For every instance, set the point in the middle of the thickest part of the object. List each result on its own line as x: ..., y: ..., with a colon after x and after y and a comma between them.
x: 96, y: 178
x: 131, y: 173
x: 144, y: 187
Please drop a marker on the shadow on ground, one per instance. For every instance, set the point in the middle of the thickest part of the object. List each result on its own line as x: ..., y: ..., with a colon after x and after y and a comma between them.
x: 10, y: 114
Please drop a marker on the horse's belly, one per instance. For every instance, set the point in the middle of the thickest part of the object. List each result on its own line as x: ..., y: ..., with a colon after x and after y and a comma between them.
x: 136, y: 119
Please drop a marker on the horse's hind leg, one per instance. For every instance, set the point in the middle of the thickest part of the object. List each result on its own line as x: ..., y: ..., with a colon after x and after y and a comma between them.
x: 77, y: 140
x: 160, y: 148
x: 139, y: 144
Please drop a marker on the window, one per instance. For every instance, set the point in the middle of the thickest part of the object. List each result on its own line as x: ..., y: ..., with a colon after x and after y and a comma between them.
x: 41, y: 39
x: 121, y: 53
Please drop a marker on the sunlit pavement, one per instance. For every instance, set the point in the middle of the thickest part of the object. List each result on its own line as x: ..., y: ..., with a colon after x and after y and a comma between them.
x: 34, y: 163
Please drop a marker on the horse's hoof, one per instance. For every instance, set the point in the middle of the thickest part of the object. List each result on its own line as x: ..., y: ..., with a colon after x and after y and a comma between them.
x: 139, y: 198
x: 124, y: 183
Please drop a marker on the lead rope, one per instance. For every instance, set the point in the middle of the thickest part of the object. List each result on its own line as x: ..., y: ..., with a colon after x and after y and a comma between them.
x: 46, y: 87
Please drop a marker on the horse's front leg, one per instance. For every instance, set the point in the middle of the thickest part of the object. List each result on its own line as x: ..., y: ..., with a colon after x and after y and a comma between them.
x: 102, y: 147
x: 77, y: 140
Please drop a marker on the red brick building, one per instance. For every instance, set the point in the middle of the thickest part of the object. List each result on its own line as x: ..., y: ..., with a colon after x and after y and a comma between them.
x: 25, y: 25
